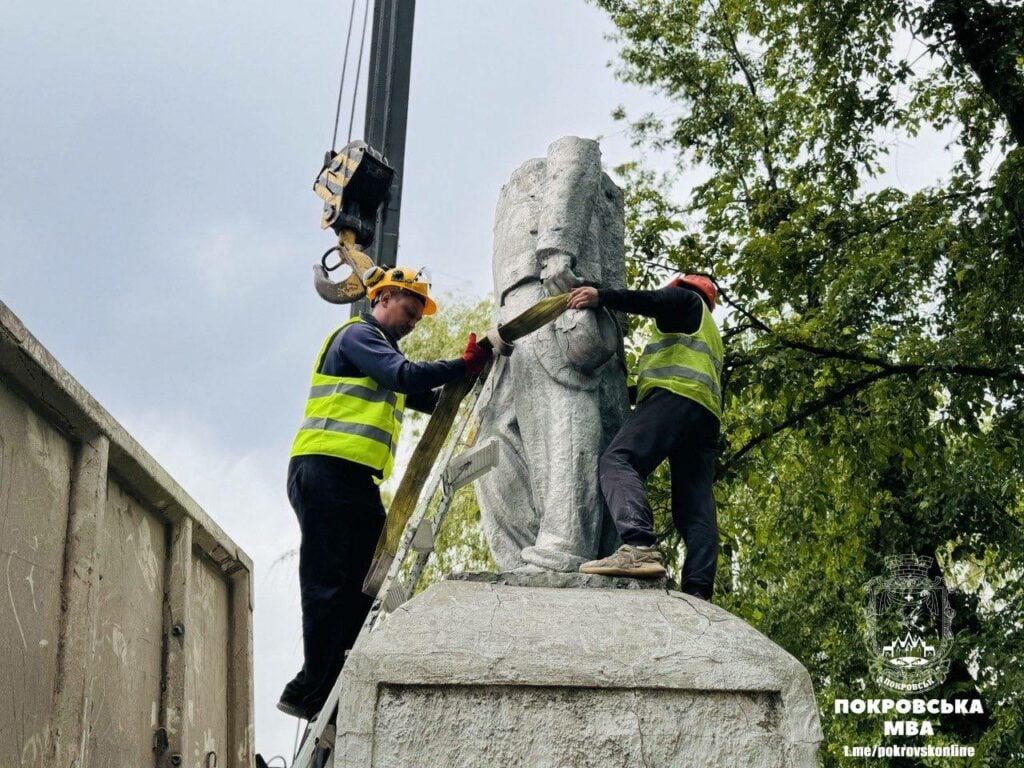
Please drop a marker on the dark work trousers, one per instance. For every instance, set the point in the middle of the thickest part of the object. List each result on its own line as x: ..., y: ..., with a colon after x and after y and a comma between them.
x: 665, y: 425
x: 340, y: 515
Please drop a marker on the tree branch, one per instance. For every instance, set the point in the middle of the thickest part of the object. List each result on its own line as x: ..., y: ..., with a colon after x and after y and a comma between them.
x: 1008, y: 372
x: 736, y: 330
x: 808, y: 410
x: 989, y: 38
x: 744, y: 65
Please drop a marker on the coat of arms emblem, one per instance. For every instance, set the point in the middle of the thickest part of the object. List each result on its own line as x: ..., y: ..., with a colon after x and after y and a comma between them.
x: 909, y: 626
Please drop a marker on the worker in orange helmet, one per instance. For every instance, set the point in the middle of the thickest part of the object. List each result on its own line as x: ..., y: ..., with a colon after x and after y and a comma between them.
x: 345, y: 447
x: 677, y: 417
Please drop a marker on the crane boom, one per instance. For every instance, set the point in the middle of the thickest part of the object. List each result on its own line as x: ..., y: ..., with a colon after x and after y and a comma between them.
x: 387, y: 111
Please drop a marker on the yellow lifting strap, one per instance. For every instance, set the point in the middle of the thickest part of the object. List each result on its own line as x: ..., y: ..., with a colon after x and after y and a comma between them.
x: 434, y: 436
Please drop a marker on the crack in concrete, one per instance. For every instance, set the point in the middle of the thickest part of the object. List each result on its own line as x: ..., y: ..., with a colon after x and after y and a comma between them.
x: 494, y: 610
x: 668, y: 623
x: 681, y: 652
x: 640, y: 730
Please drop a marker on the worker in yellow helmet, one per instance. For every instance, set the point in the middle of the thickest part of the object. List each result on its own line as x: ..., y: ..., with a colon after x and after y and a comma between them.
x: 679, y: 407
x: 345, y: 447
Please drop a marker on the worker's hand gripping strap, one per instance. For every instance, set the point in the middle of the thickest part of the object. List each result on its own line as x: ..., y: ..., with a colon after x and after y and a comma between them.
x: 500, y: 346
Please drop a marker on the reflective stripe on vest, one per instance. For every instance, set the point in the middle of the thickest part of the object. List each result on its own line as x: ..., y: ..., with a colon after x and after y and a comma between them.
x: 688, y: 364
x: 351, y: 417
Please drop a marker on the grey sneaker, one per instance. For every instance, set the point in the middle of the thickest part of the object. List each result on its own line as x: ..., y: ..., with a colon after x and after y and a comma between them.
x: 627, y: 560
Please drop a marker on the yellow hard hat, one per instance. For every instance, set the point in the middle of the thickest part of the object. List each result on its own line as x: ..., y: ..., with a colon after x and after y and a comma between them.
x: 414, y: 281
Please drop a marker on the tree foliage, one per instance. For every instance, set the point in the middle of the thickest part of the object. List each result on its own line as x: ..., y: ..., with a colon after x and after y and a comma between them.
x: 874, y: 386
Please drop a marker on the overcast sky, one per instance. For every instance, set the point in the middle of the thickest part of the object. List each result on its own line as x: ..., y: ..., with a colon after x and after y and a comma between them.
x: 157, y: 223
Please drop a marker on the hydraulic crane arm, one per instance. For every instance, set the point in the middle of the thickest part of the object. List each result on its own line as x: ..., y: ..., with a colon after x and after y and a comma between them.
x: 360, y: 187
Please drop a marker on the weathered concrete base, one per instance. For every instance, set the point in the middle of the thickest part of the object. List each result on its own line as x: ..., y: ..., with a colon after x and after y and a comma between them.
x: 489, y: 670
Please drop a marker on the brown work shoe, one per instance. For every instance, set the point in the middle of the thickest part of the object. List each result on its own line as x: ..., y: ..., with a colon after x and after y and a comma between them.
x: 627, y: 560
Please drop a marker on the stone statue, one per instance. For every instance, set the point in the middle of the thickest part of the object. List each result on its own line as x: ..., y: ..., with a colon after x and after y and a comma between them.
x: 557, y: 401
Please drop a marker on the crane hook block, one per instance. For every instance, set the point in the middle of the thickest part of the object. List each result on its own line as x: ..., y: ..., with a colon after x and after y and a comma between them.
x: 353, y: 287
x: 353, y: 183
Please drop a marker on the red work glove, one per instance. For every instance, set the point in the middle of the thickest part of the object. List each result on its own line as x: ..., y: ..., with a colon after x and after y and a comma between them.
x: 475, y: 356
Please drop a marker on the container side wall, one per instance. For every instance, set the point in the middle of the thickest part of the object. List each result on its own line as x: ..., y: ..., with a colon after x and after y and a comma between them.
x: 125, y: 691
x: 97, y: 624
x: 35, y: 479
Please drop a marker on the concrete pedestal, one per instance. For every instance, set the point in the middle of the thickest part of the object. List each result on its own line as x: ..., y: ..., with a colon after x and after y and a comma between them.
x: 492, y: 670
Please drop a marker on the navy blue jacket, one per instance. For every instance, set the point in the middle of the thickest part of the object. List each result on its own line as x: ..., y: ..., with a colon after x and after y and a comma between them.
x: 361, y: 351
x: 676, y: 309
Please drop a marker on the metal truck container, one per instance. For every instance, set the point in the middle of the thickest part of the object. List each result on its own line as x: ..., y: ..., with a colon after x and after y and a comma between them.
x: 125, y: 611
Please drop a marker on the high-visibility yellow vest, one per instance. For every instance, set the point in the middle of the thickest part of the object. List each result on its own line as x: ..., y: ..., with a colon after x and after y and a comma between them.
x: 351, y: 417
x: 689, y: 364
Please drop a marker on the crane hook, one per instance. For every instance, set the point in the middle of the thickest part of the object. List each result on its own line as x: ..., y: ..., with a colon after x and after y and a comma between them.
x: 351, y: 288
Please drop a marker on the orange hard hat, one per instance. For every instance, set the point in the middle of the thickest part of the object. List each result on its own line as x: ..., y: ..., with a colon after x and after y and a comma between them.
x: 414, y: 281
x: 702, y: 284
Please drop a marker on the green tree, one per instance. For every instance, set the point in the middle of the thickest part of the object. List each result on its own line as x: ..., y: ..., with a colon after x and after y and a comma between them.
x: 874, y: 387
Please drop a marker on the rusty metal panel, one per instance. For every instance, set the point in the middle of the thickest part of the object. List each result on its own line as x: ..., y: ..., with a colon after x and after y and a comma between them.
x: 35, y: 472
x: 210, y: 636
x: 125, y: 690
